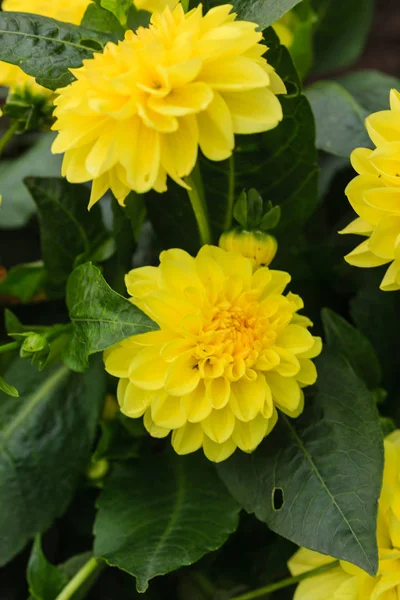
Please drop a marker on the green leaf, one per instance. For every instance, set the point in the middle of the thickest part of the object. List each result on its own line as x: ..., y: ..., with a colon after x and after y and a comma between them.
x: 23, y: 281
x: 17, y: 206
x: 46, y: 48
x: 341, y: 32
x: 370, y: 88
x: 263, y: 12
x: 162, y: 513
x: 100, y: 316
x: 100, y: 19
x: 302, y: 24
x: 326, y: 468
x: 119, y: 8
x: 339, y: 119
x: 8, y: 389
x: 44, y: 579
x: 67, y: 229
x: 348, y: 341
x: 271, y: 219
x: 46, y: 437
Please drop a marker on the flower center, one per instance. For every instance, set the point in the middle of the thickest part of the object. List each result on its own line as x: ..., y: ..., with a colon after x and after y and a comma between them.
x: 232, y: 340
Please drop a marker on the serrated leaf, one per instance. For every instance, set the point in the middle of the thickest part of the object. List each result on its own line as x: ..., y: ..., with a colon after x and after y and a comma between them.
x: 263, y: 12
x: 161, y: 513
x: 348, y: 341
x: 46, y: 437
x: 100, y: 316
x: 325, y: 467
x: 46, y: 48
x: 8, y: 389
x: 44, y: 579
x: 67, y: 229
x: 341, y: 32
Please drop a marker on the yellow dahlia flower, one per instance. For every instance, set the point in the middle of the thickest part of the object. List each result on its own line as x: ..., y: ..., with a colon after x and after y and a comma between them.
x: 71, y: 11
x: 139, y: 111
x: 347, y: 581
x: 375, y: 196
x: 231, y: 349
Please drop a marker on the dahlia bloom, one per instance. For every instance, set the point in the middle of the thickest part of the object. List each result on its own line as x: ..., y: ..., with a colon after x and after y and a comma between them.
x: 139, y: 111
x: 70, y: 11
x: 347, y: 581
x: 231, y: 349
x: 375, y: 196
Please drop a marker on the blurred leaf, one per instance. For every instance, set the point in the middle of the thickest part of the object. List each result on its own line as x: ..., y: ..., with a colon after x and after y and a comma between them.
x: 263, y: 12
x: 8, y: 389
x: 67, y: 229
x: 100, y: 19
x: 46, y: 48
x: 119, y: 8
x: 339, y: 119
x: 162, y: 513
x: 17, y: 206
x: 23, y: 281
x: 100, y: 316
x: 46, y: 437
x: 302, y: 25
x: 348, y: 341
x: 341, y: 32
x: 44, y: 579
x: 326, y: 466
x: 369, y: 88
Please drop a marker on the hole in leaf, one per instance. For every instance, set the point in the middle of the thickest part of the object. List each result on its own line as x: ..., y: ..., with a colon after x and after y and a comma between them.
x: 277, y: 499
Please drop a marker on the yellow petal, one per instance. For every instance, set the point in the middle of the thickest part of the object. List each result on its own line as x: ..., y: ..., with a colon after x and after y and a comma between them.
x: 315, y: 350
x: 136, y: 401
x: 187, y: 438
x: 394, y: 100
x: 189, y: 99
x: 121, y: 389
x: 167, y: 309
x: 254, y: 111
x: 248, y: 397
x: 148, y: 370
x: 140, y: 155
x: 218, y: 426
x: 383, y: 240
x: 218, y: 391
x: 383, y: 126
x: 277, y: 284
x: 247, y: 436
x: 355, y: 192
x: 175, y: 348
x: 295, y: 338
x: 308, y: 372
x: 285, y: 391
x: 234, y: 74
x: 384, y: 199
x: 103, y: 154
x: 391, y: 280
x: 166, y: 411
x: 179, y: 149
x: 289, y: 364
x: 197, y: 405
x: 357, y: 227
x: 360, y: 160
x: 141, y: 281
x: 216, y: 130
x: 183, y: 375
x: 362, y: 257
x: 119, y: 359
x: 151, y: 428
x: 218, y: 452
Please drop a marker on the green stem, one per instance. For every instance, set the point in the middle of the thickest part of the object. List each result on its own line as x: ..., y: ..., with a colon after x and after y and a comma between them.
x: 231, y: 194
x: 9, y: 347
x: 9, y: 134
x: 197, y: 200
x: 273, y: 587
x: 80, y: 578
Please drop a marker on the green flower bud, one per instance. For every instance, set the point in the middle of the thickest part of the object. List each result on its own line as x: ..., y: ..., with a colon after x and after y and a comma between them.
x: 260, y: 247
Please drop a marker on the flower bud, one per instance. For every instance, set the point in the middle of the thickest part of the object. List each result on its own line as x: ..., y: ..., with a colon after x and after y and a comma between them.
x: 98, y: 469
x: 260, y: 247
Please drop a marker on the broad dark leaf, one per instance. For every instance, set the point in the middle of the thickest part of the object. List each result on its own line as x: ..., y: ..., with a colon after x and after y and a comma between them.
x: 46, y: 437
x: 46, y: 48
x: 162, y: 513
x: 316, y: 480
x: 369, y: 88
x: 348, y: 341
x: 100, y: 19
x: 263, y: 12
x: 100, y: 316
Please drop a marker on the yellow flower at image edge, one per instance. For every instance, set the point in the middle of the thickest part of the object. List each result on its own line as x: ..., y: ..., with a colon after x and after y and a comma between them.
x: 347, y: 581
x: 231, y: 349
x: 375, y: 196
x: 139, y: 111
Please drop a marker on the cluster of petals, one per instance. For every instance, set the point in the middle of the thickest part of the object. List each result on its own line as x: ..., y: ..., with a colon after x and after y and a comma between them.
x: 70, y: 11
x: 140, y: 110
x: 346, y: 581
x: 230, y: 351
x: 375, y: 196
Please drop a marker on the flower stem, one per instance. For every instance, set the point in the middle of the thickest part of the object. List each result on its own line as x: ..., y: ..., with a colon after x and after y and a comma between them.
x: 197, y: 200
x: 88, y: 569
x: 9, y: 134
x: 278, y: 585
x: 9, y: 347
x: 231, y: 193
